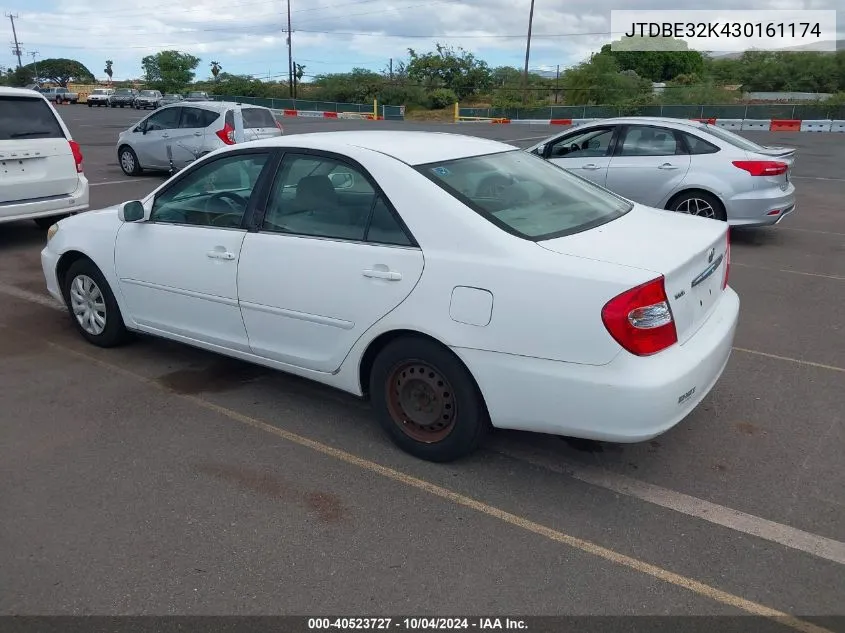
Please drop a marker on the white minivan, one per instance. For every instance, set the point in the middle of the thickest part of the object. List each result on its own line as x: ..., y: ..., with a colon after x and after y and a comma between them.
x: 41, y: 177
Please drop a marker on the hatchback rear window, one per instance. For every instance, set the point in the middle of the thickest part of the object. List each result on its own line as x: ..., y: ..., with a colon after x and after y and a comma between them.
x: 258, y: 117
x: 27, y: 117
x: 526, y: 195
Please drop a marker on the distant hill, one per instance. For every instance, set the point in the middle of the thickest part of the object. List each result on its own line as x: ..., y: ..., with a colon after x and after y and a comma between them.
x: 804, y: 48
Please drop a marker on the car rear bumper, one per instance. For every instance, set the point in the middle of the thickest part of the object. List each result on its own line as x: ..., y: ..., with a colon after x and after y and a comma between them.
x: 631, y: 399
x: 761, y: 208
x: 46, y: 207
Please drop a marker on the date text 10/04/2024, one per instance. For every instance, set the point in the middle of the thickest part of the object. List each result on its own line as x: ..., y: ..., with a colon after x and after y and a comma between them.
x: 416, y: 624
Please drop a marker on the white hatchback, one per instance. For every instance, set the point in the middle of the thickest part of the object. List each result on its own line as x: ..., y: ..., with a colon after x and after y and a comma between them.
x: 42, y: 175
x: 385, y: 264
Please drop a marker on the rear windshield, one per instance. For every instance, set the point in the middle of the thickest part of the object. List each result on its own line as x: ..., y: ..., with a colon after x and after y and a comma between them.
x: 258, y: 117
x: 27, y: 117
x: 196, y: 94
x: 99, y: 91
x: 526, y: 195
x: 147, y: 93
x: 734, y: 139
x: 124, y: 91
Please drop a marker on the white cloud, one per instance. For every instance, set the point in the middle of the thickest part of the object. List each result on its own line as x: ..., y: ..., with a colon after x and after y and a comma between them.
x: 246, y: 36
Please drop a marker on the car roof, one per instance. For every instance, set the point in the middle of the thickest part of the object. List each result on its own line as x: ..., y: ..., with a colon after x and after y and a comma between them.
x: 18, y: 92
x: 661, y: 120
x: 413, y: 148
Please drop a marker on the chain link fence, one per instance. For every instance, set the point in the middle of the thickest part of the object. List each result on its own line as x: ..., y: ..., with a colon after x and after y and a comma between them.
x: 751, y: 111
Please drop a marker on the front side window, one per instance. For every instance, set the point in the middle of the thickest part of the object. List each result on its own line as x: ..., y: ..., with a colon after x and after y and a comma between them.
x: 526, y: 195
x: 166, y: 119
x: 592, y: 143
x: 644, y: 140
x: 215, y: 194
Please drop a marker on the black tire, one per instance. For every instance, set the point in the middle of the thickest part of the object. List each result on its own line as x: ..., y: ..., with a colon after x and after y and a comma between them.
x: 393, y: 378
x: 136, y: 166
x: 122, y: 105
x: 90, y: 105
x: 46, y: 223
x: 687, y: 200
x: 113, y: 105
x: 113, y: 332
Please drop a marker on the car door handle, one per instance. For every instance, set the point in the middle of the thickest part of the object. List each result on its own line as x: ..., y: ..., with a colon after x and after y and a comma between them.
x: 591, y: 166
x: 668, y: 166
x: 383, y: 274
x: 197, y: 133
x: 165, y: 135
x: 221, y: 255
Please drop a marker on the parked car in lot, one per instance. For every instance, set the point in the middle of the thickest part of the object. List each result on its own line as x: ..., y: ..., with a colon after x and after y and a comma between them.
x: 680, y: 165
x: 123, y: 97
x: 387, y: 265
x: 182, y: 133
x: 60, y: 95
x: 171, y: 98
x: 197, y: 96
x: 99, y: 97
x: 42, y: 176
x: 148, y: 99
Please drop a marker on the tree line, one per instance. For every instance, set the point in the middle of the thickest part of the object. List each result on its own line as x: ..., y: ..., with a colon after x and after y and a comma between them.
x: 438, y: 78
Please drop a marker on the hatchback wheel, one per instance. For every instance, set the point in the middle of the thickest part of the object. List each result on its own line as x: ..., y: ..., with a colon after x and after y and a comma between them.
x: 426, y: 400
x: 699, y: 203
x: 128, y: 161
x: 92, y: 305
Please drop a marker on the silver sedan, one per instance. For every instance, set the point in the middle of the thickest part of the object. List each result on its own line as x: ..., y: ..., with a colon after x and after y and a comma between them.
x: 680, y: 165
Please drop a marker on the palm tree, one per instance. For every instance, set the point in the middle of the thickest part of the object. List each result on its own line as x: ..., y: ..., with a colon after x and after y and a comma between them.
x: 215, y: 69
x: 108, y: 70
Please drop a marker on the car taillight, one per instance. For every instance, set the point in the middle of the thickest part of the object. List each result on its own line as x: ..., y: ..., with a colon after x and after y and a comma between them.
x: 762, y: 167
x: 227, y: 134
x: 727, y: 261
x: 77, y: 155
x: 640, y: 319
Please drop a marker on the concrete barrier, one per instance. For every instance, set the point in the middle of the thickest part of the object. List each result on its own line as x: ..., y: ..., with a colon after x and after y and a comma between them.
x: 762, y: 125
x: 815, y: 126
x: 837, y: 126
x: 785, y: 125
x: 729, y: 124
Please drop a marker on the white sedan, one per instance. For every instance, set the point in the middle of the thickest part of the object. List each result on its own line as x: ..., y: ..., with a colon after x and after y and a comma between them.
x: 396, y: 266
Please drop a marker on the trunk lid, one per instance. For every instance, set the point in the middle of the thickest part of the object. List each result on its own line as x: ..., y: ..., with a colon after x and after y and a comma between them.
x: 36, y: 160
x: 689, y: 252
x: 779, y: 154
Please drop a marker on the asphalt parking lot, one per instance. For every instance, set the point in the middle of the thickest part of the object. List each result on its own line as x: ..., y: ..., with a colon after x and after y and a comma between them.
x: 159, y: 479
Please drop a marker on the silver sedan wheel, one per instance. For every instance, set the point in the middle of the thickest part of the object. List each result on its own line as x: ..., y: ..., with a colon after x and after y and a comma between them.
x: 127, y: 161
x: 88, y: 304
x: 697, y: 206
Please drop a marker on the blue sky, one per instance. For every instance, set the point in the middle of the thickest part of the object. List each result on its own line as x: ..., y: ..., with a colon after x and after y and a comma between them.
x: 246, y: 36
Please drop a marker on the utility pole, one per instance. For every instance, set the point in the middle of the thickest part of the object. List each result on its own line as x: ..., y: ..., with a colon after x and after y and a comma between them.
x: 34, y: 63
x: 391, y: 69
x: 557, y: 81
x: 527, y: 55
x: 290, y: 56
x: 16, y: 47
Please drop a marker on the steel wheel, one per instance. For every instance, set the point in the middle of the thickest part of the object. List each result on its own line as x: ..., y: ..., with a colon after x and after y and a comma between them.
x: 696, y: 206
x: 88, y: 304
x: 421, y: 401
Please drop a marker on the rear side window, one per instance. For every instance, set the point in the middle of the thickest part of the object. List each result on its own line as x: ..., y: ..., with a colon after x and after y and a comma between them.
x: 27, y: 117
x: 258, y: 117
x: 699, y: 145
x: 209, y: 117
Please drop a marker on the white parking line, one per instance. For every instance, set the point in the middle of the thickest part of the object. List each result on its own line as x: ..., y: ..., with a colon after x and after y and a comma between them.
x: 818, y: 178
x: 786, y: 270
x: 797, y: 361
x: 793, y: 538
x: 113, y: 182
x: 41, y: 299
x: 791, y: 228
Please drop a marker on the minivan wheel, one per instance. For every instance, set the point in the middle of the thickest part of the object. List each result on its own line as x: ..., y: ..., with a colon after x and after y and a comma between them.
x: 46, y: 223
x: 699, y: 203
x: 128, y: 161
x: 426, y: 400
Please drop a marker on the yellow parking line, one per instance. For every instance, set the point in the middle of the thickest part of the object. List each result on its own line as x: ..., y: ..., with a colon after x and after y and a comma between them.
x: 797, y: 361
x: 702, y: 589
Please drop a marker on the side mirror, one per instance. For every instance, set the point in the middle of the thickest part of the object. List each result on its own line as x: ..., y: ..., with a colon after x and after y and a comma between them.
x: 540, y: 150
x: 342, y: 180
x: 132, y: 211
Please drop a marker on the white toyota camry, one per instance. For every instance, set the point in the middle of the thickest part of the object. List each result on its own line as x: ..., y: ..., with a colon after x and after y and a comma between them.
x: 457, y: 282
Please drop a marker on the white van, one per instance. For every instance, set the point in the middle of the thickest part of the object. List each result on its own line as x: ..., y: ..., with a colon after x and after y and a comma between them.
x: 40, y: 164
